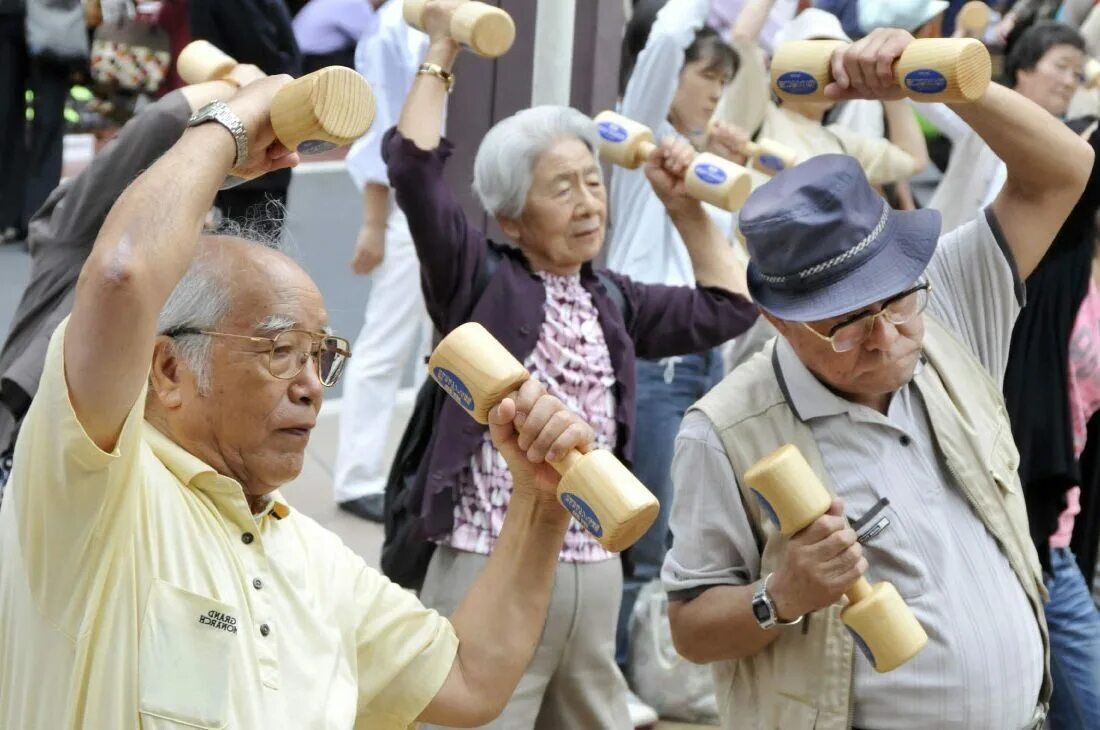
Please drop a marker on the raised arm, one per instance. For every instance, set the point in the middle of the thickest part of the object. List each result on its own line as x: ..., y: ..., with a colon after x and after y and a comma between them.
x: 746, y: 29
x: 904, y: 132
x: 142, y: 251
x: 1047, y: 166
x: 656, y: 75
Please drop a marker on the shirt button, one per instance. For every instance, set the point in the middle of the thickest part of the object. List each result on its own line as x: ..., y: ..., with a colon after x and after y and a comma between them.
x: 905, y: 440
x: 246, y: 538
x: 264, y: 629
x: 257, y: 583
x: 524, y: 330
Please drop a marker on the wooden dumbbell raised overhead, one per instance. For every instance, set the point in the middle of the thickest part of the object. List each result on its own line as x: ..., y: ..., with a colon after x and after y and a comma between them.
x: 710, y: 178
x: 604, y: 497
x: 930, y: 69
x: 486, y: 30
x: 793, y: 497
x: 973, y: 18
x: 328, y: 108
x: 767, y: 155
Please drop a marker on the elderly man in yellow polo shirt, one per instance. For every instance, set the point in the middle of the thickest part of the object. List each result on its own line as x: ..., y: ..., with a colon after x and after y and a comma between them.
x: 150, y: 574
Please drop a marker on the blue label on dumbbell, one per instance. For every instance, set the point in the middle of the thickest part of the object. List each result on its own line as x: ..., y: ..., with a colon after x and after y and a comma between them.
x: 709, y: 173
x: 314, y: 146
x: 925, y: 81
x: 796, y: 82
x: 582, y: 513
x: 454, y: 387
x: 771, y: 162
x: 862, y: 646
x: 767, y: 507
x: 611, y: 132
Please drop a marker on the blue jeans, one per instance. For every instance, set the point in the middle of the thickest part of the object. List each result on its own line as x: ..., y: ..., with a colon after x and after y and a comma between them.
x: 1074, y: 624
x: 666, y: 389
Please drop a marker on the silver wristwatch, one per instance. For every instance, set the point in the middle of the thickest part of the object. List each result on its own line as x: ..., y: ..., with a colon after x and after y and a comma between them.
x: 219, y: 111
x: 763, y: 607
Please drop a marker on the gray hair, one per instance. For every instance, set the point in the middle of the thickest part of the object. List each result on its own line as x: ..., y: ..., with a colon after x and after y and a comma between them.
x: 203, y: 297
x: 507, y: 155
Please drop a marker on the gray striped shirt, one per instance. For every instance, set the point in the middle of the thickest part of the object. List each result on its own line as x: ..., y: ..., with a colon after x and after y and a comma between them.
x: 983, y: 665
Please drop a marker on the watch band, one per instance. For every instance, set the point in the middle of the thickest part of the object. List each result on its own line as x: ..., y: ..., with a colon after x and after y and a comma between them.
x: 763, y: 607
x: 218, y: 111
x: 434, y: 69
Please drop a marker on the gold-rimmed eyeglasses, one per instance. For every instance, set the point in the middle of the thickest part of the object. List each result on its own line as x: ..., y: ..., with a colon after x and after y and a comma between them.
x: 290, y: 350
x: 850, y: 333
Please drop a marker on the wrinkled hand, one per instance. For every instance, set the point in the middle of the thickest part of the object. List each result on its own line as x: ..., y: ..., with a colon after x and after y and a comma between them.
x: 665, y: 169
x: 252, y: 104
x: 821, y: 561
x: 437, y: 20
x: 530, y: 428
x: 865, y: 69
x: 728, y: 141
x: 370, y: 249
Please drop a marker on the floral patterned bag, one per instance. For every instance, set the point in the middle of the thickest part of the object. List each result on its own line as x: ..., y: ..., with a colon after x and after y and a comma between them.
x: 132, y: 57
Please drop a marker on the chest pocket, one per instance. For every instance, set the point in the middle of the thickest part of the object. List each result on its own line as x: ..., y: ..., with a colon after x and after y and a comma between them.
x: 187, y: 644
x: 889, y: 548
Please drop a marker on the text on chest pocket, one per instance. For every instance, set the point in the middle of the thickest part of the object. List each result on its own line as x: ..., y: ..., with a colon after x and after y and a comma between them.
x: 187, y: 644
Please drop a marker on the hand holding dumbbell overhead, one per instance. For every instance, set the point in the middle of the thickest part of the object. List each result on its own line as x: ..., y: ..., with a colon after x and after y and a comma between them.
x: 887, y: 64
x: 486, y: 30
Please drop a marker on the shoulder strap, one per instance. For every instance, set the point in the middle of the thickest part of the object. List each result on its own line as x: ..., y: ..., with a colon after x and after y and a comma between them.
x: 615, y: 293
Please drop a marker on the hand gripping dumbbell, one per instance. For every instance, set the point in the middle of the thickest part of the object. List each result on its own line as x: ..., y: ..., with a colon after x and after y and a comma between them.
x: 486, y: 30
x: 767, y: 155
x: 710, y: 178
x: 973, y: 18
x: 328, y: 108
x: 930, y: 69
x: 791, y: 494
x: 604, y: 497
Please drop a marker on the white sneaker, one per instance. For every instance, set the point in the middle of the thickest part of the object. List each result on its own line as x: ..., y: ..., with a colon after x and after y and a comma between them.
x: 641, y: 714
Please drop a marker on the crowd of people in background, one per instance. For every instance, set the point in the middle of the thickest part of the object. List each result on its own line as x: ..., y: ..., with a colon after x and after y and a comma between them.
x: 914, y: 304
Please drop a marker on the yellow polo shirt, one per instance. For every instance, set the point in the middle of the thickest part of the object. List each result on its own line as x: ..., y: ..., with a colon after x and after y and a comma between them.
x: 138, y: 590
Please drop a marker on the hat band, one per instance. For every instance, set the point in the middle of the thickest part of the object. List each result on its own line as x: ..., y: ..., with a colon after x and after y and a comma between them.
x: 839, y: 258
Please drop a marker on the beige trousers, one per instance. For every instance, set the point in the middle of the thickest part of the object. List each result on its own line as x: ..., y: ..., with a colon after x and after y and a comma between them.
x: 572, y: 682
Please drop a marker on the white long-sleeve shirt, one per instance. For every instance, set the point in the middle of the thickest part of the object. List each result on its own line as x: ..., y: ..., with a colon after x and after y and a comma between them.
x: 387, y: 56
x: 644, y: 244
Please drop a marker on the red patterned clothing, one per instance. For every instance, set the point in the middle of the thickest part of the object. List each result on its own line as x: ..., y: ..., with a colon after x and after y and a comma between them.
x: 571, y: 359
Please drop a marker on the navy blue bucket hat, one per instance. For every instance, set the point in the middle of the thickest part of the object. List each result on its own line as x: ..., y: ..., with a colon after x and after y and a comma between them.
x: 823, y: 243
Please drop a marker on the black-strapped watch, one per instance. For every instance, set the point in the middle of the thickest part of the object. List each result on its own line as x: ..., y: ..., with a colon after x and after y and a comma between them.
x: 763, y: 607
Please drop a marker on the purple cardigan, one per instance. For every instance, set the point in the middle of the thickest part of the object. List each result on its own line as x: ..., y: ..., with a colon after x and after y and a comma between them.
x: 658, y: 321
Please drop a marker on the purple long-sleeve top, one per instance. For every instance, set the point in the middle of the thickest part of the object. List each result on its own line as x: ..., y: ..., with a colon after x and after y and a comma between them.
x: 656, y: 321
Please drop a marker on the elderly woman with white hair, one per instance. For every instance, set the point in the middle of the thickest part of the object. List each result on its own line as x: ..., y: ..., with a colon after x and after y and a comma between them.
x: 577, y: 331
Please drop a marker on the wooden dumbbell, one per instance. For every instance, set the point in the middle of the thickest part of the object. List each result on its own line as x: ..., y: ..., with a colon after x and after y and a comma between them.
x: 486, y: 30
x: 710, y: 178
x: 930, y: 69
x: 604, y: 497
x: 328, y: 108
x: 973, y: 18
x: 1091, y: 73
x: 767, y: 155
x: 791, y: 494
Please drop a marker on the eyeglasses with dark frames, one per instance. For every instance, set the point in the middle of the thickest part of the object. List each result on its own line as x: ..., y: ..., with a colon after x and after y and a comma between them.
x: 854, y: 331
x: 290, y: 350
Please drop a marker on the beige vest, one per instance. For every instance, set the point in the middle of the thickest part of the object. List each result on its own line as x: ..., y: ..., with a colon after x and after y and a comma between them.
x: 803, y: 679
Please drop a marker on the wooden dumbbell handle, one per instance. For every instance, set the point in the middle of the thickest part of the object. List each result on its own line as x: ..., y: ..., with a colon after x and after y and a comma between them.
x: 930, y: 69
x: 485, y: 29
x: 859, y: 590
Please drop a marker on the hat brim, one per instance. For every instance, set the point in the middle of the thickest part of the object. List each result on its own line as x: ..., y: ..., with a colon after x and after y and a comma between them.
x: 911, y: 238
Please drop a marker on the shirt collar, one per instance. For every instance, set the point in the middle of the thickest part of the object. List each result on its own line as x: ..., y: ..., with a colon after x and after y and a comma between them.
x: 188, y: 468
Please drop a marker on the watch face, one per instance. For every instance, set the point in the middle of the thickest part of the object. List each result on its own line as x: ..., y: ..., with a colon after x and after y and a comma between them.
x: 760, y: 610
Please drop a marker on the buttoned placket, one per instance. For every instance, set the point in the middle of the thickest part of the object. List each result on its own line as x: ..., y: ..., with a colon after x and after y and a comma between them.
x: 256, y: 579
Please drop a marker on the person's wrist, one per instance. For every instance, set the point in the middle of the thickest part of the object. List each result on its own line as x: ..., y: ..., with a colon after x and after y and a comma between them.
x: 442, y: 52
x: 785, y: 608
x: 217, y: 143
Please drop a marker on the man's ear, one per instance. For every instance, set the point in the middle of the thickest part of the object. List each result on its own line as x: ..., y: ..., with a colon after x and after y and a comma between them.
x: 510, y: 226
x: 166, y: 377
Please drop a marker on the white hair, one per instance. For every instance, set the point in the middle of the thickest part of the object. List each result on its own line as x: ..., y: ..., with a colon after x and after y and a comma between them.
x: 507, y: 155
x: 203, y: 298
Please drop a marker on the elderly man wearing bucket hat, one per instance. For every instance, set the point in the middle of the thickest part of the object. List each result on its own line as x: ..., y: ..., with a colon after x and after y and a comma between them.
x: 886, y: 375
